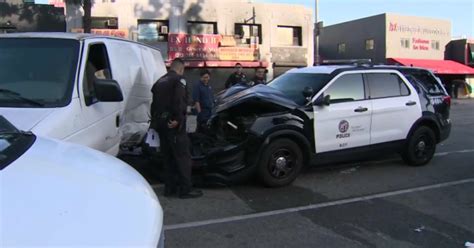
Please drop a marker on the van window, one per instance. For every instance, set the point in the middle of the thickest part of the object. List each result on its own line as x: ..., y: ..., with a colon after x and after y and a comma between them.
x: 37, y: 72
x: 97, y: 67
x: 349, y: 87
x: 383, y: 85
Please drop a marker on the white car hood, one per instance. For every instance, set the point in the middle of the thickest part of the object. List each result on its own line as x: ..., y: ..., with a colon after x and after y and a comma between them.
x: 25, y: 118
x: 60, y: 194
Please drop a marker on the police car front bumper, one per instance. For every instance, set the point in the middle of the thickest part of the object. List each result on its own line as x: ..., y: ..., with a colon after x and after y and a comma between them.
x: 222, y: 165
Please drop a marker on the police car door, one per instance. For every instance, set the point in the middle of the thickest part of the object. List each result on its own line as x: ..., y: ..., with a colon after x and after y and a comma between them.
x: 346, y: 121
x: 395, y: 105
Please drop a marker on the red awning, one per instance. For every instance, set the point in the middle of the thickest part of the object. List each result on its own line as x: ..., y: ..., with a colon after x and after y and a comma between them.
x: 437, y: 66
x: 201, y: 63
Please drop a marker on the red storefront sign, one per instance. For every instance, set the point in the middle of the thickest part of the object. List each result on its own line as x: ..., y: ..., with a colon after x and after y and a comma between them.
x: 57, y: 3
x: 121, y: 33
x: 209, y: 47
x: 193, y: 47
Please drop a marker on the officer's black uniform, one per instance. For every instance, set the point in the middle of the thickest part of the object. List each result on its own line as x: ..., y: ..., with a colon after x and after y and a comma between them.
x: 170, y: 103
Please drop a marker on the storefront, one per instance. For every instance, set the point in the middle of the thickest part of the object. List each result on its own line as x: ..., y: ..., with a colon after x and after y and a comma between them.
x: 213, y: 34
x: 398, y: 39
x: 462, y: 51
x: 451, y: 73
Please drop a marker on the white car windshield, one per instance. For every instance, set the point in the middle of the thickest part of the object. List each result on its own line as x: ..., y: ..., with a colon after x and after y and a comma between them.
x: 37, y: 72
x: 13, y: 143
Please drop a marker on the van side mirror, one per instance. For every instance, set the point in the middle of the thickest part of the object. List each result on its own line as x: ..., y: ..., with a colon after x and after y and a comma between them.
x: 107, y: 90
x: 322, y: 100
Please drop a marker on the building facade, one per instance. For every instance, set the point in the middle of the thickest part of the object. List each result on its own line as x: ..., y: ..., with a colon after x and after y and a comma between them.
x: 386, y: 36
x: 26, y: 16
x: 462, y: 51
x: 406, y: 40
x: 215, y: 34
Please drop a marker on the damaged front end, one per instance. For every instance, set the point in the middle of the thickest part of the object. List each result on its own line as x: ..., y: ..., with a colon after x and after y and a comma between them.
x: 228, y: 151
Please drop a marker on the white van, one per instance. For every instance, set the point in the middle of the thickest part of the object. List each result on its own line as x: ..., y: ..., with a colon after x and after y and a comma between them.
x: 85, y: 89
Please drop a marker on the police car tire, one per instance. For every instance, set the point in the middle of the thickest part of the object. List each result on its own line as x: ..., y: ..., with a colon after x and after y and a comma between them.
x: 282, y: 145
x: 411, y: 154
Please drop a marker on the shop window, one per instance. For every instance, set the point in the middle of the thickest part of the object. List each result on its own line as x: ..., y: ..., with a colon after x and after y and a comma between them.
x: 153, y: 30
x: 202, y: 27
x: 104, y: 22
x: 369, y: 44
x: 248, y: 33
x: 405, y: 43
x: 289, y: 36
x: 435, y: 44
x: 341, y: 47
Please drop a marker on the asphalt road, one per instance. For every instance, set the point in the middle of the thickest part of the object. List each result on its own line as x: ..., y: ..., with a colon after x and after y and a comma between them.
x: 380, y: 203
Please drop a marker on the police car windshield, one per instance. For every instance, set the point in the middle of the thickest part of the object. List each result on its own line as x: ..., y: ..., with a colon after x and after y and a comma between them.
x: 293, y: 84
x: 37, y: 72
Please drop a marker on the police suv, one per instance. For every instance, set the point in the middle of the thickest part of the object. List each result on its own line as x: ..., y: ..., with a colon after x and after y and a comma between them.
x: 324, y: 114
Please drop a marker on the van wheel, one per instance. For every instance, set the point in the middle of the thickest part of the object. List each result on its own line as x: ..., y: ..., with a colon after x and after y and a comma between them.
x: 280, y: 163
x: 420, y: 147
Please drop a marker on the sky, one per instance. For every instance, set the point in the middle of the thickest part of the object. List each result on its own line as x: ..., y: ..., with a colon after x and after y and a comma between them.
x: 459, y: 12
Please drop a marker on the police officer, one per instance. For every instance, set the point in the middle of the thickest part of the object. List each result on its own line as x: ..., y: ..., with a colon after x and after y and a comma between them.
x: 169, y: 120
x: 203, y: 99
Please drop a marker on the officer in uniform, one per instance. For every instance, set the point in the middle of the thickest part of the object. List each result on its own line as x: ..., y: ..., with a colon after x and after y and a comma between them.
x: 169, y: 120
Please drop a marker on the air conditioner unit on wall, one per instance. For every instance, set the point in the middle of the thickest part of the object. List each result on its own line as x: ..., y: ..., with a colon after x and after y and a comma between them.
x: 112, y: 23
x: 164, y: 29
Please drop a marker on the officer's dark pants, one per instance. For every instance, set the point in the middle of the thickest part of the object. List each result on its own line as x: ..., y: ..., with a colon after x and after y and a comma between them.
x: 174, y: 145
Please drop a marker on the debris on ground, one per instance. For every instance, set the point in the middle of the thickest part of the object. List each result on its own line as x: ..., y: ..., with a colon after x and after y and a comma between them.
x: 420, y: 229
x: 350, y: 171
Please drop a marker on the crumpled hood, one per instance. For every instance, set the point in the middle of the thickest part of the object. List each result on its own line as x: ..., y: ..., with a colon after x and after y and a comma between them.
x: 258, y: 92
x: 25, y: 118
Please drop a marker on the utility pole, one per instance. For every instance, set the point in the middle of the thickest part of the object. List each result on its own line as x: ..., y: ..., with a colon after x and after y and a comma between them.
x: 316, y: 32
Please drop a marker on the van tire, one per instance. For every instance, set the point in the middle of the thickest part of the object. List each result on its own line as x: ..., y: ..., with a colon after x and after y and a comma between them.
x: 420, y: 147
x: 280, y: 163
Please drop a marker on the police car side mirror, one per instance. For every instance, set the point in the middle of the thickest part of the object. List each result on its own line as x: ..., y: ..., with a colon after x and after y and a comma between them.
x: 322, y: 100
x: 107, y: 90
x: 308, y: 92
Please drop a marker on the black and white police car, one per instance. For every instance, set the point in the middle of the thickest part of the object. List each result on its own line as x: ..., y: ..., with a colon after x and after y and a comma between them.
x: 324, y: 113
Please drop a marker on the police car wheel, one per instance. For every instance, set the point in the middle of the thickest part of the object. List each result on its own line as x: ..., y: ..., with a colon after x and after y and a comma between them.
x: 280, y: 163
x: 420, y: 147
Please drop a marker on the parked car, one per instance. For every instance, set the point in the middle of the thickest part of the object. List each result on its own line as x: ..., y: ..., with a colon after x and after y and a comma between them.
x: 58, y: 194
x: 81, y: 88
x: 324, y: 114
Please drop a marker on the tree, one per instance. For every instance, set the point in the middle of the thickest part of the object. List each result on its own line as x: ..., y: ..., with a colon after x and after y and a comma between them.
x: 87, y: 7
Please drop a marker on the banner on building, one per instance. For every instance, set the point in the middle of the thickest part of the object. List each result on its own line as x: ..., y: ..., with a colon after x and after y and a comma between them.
x: 57, y: 3
x: 209, y: 47
x: 121, y: 33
